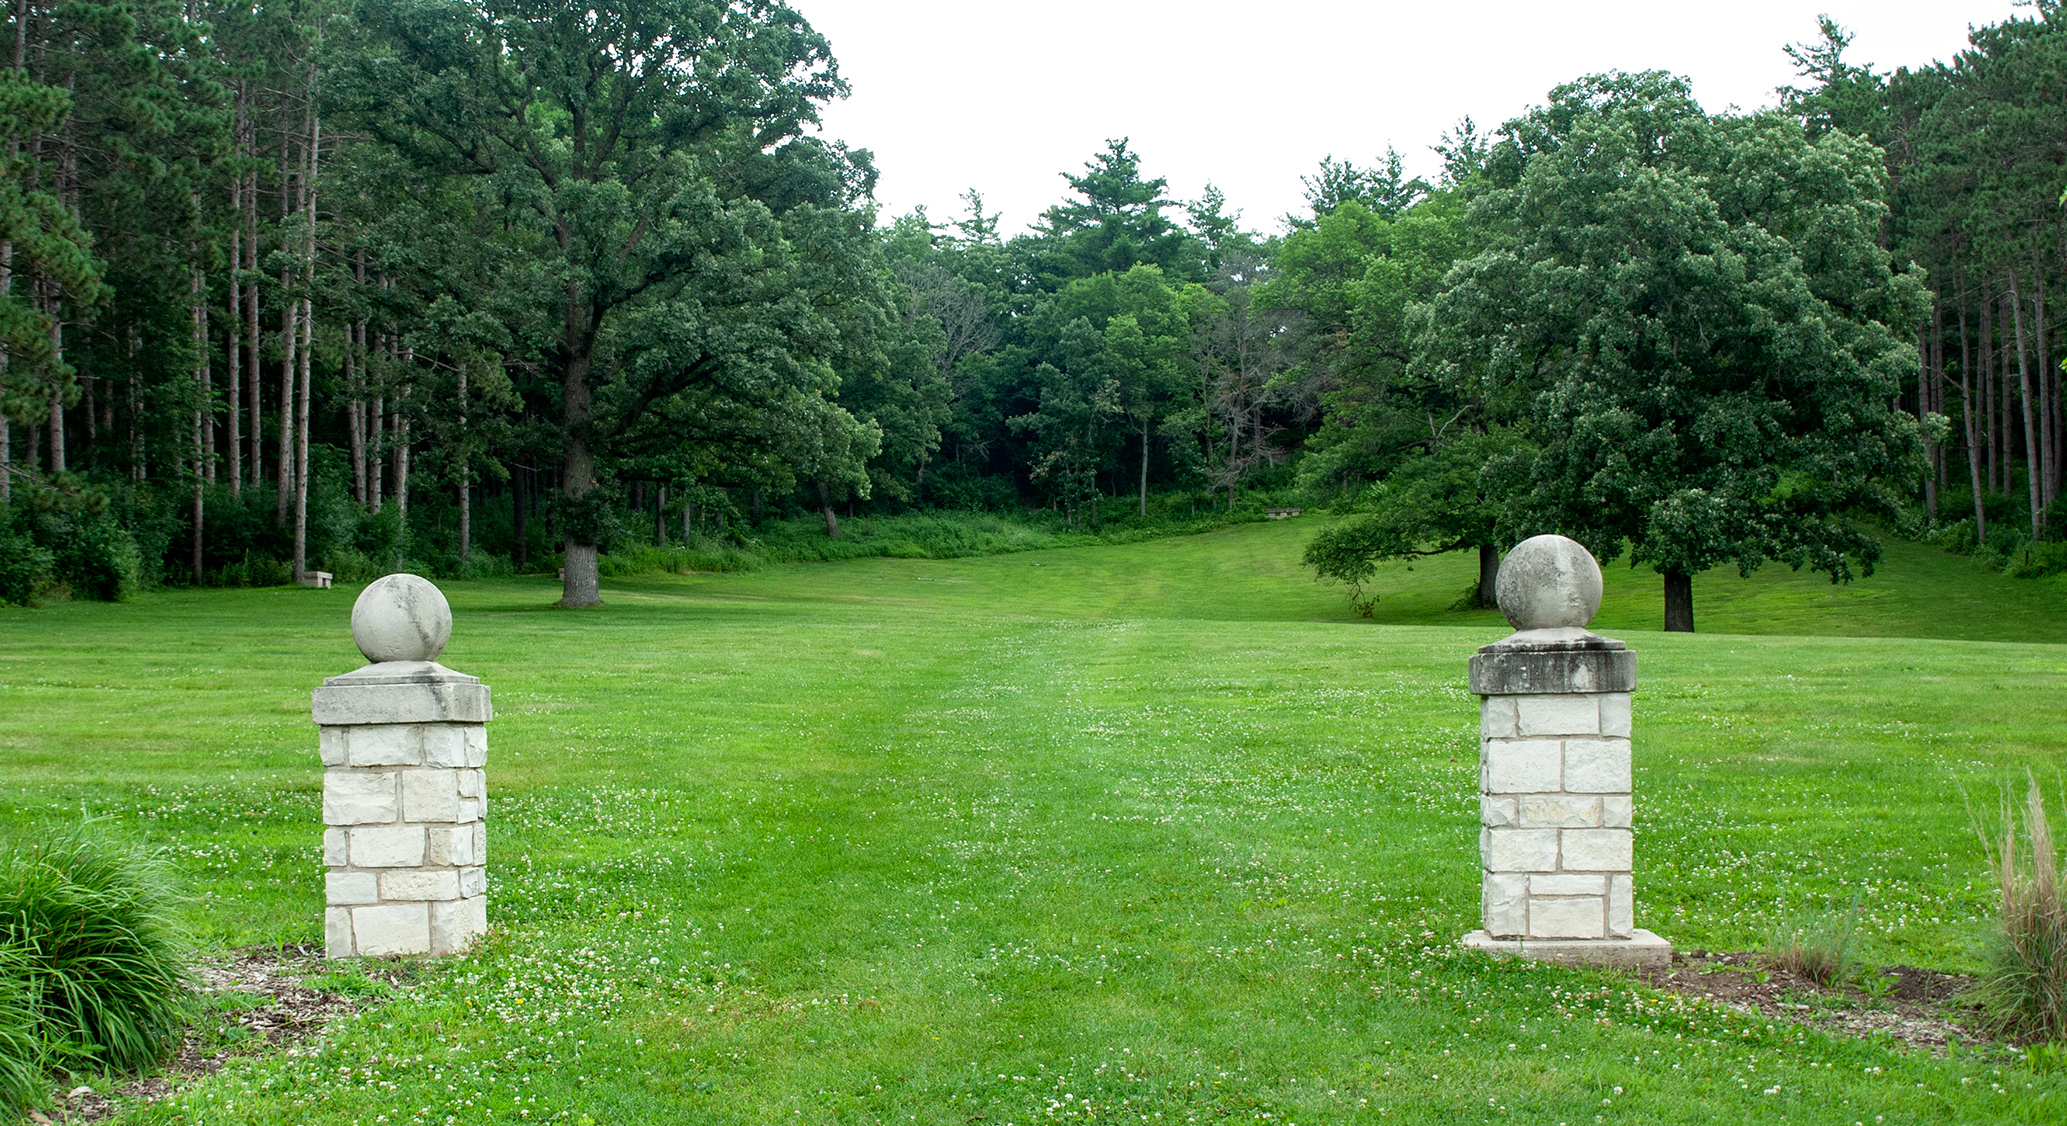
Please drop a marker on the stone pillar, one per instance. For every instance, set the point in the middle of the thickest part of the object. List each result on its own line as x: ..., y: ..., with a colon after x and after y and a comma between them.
x: 1556, y: 836
x: 405, y: 746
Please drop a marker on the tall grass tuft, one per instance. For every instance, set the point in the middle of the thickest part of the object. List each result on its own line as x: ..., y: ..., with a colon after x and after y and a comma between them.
x: 2024, y: 991
x: 88, y: 920
x: 1819, y: 949
x: 21, y: 1056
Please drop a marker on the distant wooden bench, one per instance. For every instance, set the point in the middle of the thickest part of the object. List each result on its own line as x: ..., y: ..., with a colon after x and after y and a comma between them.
x: 1280, y: 513
x: 320, y: 579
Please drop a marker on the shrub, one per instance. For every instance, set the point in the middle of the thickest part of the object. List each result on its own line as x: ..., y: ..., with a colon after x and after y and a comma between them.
x: 2024, y: 991
x: 89, y: 920
x: 1819, y: 948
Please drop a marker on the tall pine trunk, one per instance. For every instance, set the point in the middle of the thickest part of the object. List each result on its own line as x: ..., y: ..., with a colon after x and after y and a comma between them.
x: 304, y: 389
x: 2033, y: 455
x: 198, y: 311
x: 1970, y: 422
x: 1488, y: 575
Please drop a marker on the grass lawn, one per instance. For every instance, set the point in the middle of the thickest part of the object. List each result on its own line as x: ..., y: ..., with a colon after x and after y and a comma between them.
x: 1154, y: 833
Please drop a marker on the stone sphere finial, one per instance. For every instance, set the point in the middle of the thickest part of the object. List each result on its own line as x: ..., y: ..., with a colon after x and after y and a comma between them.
x: 1549, y: 582
x: 401, y: 618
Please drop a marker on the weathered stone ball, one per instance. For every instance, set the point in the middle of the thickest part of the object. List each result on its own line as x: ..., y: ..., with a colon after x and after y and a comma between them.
x: 1547, y: 582
x: 401, y: 618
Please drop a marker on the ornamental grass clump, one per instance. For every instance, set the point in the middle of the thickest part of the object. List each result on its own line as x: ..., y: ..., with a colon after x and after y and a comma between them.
x: 21, y: 1057
x: 1819, y: 950
x: 2024, y: 991
x: 93, y: 949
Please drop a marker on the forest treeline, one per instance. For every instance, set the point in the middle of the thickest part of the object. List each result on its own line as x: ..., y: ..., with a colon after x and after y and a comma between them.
x: 470, y: 287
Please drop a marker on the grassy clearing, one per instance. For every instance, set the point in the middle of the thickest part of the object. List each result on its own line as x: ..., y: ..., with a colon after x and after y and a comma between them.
x: 1085, y: 835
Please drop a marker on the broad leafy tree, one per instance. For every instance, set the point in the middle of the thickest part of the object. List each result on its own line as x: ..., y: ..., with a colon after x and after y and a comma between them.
x: 1711, y: 336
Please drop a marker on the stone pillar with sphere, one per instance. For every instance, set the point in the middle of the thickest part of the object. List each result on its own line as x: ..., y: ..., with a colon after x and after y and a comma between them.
x: 405, y: 749
x: 1556, y: 809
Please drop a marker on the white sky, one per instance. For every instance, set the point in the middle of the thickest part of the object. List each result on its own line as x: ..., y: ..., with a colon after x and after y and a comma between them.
x: 1002, y: 97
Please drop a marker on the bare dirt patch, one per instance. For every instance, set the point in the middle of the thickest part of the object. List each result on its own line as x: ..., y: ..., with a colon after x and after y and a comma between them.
x: 256, y: 1001
x: 1918, y: 1007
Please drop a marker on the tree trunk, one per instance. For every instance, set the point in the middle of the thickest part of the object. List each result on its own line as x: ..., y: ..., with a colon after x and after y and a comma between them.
x: 466, y: 493
x: 832, y: 522
x: 198, y: 294
x: 254, y: 340
x: 518, y: 514
x: 582, y: 585
x: 1679, y: 602
x: 660, y: 516
x: 234, y: 391
x: 301, y: 441
x: 376, y: 423
x: 1923, y: 413
x: 2033, y: 456
x: 1144, y: 469
x: 1986, y: 386
x: 6, y: 461
x: 1970, y: 425
x: 1488, y: 575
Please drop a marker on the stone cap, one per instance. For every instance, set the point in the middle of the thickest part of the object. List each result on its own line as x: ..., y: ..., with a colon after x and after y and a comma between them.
x: 402, y: 692
x: 1520, y: 666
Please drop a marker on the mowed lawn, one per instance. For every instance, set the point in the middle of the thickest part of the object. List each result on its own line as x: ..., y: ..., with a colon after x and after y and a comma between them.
x: 1156, y: 833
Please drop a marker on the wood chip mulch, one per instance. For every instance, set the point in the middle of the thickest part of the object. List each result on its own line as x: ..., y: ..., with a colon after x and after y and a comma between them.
x: 1922, y: 1009
x: 279, y: 1012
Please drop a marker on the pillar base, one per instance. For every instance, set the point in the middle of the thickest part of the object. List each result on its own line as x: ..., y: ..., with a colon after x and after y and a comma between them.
x: 1641, y: 950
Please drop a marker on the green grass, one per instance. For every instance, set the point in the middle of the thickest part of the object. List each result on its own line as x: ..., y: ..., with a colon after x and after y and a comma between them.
x: 1075, y: 835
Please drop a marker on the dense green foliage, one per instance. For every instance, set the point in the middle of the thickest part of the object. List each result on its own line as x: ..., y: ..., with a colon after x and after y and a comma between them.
x: 1086, y: 816
x: 476, y: 288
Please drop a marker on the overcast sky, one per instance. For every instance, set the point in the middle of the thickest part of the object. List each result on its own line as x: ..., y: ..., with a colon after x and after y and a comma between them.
x: 1002, y: 97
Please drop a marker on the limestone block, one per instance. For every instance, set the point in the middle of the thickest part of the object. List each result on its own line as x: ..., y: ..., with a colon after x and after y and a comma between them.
x: 337, y: 932
x: 392, y: 928
x: 335, y: 852
x: 1597, y: 766
x: 344, y: 888
x: 385, y: 744
x: 1565, y: 883
x: 456, y: 924
x: 450, y: 844
x: 1576, y: 714
x: 477, y: 746
x: 473, y: 783
x: 1498, y: 813
x: 1614, y: 714
x: 1621, y: 907
x: 360, y: 798
x: 470, y: 809
x: 420, y: 883
x: 1617, y: 811
x: 438, y: 697
x: 1597, y: 850
x: 388, y: 846
x: 1496, y: 718
x: 1506, y: 906
x: 330, y: 744
x: 480, y: 843
x: 1567, y: 918
x: 431, y: 795
x: 1520, y: 766
x: 1561, y: 811
x: 473, y: 881
x: 1518, y: 850
x: 444, y: 744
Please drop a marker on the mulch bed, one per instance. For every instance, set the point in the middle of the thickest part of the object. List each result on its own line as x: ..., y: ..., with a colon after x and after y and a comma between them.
x: 286, y: 1012
x: 1922, y: 1009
